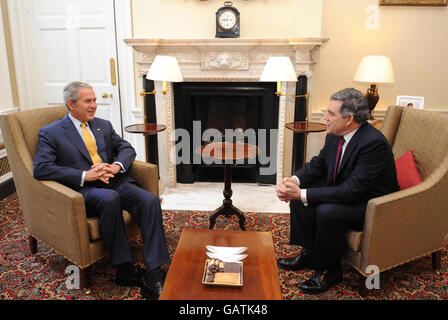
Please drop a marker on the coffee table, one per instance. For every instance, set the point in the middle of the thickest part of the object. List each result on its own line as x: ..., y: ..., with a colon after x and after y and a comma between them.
x: 260, y: 273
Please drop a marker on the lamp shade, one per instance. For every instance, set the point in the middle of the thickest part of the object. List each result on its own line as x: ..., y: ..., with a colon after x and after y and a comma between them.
x: 278, y: 69
x: 375, y: 69
x: 165, y: 68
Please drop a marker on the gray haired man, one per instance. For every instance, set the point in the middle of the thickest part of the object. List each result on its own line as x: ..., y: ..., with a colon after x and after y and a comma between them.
x: 328, y: 195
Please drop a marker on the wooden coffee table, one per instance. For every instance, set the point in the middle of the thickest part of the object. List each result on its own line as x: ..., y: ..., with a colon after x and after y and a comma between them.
x: 260, y: 278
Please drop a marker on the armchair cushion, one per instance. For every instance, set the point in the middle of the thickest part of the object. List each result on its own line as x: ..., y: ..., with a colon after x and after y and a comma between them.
x: 407, y: 173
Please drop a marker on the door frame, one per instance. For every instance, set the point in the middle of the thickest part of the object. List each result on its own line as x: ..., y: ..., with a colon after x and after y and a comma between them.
x: 130, y: 114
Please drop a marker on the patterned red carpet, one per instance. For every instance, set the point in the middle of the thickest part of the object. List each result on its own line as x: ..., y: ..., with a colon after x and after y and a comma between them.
x: 42, y: 276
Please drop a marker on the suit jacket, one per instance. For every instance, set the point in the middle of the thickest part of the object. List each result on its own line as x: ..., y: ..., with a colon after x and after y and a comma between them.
x: 62, y: 156
x: 367, y: 170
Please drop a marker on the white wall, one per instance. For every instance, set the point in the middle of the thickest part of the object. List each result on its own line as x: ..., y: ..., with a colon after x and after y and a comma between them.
x: 415, y: 38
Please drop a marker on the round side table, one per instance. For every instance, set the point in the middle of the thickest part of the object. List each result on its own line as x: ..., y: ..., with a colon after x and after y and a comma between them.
x: 145, y: 129
x: 228, y: 151
x: 305, y: 127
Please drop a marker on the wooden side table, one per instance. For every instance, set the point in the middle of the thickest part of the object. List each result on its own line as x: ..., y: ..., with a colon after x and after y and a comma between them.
x: 145, y: 129
x: 230, y: 152
x: 306, y: 127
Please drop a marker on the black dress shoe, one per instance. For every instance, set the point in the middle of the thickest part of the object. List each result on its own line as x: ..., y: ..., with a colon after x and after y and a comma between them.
x: 131, y: 277
x: 303, y: 260
x: 152, y: 288
x: 321, y: 281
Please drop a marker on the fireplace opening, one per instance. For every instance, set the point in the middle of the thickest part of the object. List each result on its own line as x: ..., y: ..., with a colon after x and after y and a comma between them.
x: 246, y: 110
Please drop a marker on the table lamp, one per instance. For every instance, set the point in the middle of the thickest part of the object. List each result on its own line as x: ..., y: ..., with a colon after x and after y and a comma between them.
x: 164, y: 68
x: 374, y: 70
x: 278, y: 69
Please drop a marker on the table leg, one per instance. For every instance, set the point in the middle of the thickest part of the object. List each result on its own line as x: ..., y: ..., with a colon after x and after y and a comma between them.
x: 227, y: 208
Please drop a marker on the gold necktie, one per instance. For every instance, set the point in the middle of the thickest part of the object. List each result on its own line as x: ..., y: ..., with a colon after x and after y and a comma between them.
x: 90, y: 144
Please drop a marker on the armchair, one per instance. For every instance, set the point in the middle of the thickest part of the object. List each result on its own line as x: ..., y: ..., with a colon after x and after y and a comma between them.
x: 54, y: 213
x: 410, y: 223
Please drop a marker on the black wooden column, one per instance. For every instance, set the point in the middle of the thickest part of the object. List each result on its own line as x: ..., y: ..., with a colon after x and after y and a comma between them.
x: 300, y: 114
x: 152, y: 154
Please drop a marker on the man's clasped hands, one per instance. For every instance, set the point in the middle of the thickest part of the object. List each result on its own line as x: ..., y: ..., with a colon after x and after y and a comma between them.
x: 102, y: 171
x: 288, y: 189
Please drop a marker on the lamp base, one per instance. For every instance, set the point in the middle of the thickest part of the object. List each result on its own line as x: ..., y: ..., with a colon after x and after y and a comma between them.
x: 372, y: 98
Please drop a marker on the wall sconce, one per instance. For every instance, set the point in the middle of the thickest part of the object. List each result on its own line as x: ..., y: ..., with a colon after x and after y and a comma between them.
x: 374, y: 69
x: 279, y: 69
x: 163, y: 68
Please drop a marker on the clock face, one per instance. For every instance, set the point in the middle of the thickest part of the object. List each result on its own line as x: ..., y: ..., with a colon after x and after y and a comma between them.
x: 227, y: 19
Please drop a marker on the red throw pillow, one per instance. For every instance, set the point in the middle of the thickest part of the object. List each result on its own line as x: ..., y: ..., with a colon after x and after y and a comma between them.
x: 407, y: 173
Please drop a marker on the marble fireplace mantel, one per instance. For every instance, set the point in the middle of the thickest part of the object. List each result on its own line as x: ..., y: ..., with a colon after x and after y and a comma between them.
x: 248, y: 56
x: 219, y: 60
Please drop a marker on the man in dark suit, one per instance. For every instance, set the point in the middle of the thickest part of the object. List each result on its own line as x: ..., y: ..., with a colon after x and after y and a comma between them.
x: 328, y: 196
x: 84, y: 153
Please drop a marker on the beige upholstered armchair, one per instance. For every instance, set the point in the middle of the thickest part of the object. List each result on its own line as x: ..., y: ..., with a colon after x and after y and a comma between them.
x: 54, y: 213
x: 413, y: 222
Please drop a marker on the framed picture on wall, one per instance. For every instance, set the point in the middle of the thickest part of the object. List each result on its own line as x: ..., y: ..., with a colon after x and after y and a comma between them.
x: 434, y: 3
x: 411, y: 101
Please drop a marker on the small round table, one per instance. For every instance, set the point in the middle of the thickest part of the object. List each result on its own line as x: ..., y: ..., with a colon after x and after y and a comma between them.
x: 305, y: 127
x: 228, y: 151
x: 145, y: 129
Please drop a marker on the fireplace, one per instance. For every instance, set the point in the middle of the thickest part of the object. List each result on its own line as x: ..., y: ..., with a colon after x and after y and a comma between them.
x: 234, y: 111
x: 215, y: 62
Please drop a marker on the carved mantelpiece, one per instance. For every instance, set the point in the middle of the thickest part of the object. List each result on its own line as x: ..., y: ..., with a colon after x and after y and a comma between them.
x: 248, y: 55
x: 225, y: 60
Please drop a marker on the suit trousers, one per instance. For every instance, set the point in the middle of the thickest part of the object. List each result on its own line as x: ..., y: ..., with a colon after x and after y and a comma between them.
x: 320, y: 230
x: 108, y: 201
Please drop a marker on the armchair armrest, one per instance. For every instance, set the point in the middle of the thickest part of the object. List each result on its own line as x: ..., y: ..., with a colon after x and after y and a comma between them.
x: 146, y: 175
